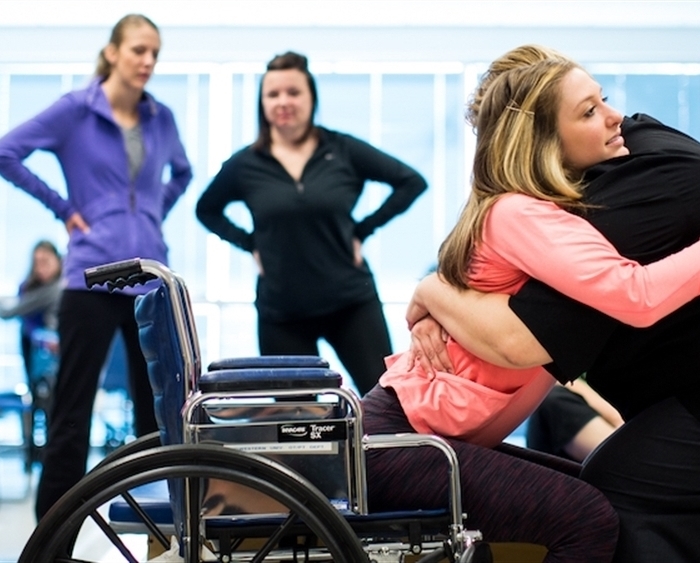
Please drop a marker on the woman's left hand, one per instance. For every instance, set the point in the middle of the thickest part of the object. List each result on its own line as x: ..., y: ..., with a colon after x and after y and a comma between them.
x: 357, y: 252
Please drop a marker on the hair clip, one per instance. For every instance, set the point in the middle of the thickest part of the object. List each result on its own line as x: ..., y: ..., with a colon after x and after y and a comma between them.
x: 512, y: 106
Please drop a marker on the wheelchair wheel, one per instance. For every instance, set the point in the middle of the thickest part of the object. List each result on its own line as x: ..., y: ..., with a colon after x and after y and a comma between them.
x: 142, y: 443
x: 84, y: 506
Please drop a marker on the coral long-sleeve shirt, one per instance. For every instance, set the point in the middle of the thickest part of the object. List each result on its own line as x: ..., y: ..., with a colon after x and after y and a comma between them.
x: 524, y: 237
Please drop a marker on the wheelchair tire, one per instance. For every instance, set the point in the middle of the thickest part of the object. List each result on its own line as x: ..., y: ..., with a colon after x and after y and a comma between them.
x: 146, y: 442
x: 53, y: 539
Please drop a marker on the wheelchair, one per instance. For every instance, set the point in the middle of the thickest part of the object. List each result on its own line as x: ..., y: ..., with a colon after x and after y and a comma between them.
x: 257, y: 459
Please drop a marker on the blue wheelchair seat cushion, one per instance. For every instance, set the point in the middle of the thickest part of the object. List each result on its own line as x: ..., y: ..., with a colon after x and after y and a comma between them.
x: 269, y: 362
x: 274, y: 378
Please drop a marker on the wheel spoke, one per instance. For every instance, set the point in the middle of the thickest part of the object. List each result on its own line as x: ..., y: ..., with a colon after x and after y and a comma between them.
x: 113, y: 536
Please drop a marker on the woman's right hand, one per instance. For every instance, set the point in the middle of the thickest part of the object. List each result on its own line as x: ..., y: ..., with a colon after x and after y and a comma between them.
x: 76, y: 221
x: 258, y: 262
x: 428, y: 346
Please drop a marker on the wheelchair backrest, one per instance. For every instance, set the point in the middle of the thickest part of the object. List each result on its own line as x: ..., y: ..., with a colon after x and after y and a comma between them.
x: 163, y: 353
x: 291, y: 408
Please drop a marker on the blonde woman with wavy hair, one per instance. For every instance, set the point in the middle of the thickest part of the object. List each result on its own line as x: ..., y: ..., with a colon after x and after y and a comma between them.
x: 539, y: 128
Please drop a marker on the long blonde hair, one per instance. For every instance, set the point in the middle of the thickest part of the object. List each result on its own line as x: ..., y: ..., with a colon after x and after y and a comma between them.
x: 518, y: 150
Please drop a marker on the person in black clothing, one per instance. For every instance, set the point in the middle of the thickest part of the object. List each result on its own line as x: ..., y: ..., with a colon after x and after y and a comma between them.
x: 648, y: 205
x: 649, y: 468
x: 301, y: 182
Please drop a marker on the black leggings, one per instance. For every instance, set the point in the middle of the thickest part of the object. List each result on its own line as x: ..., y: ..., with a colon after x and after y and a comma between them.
x: 507, y: 498
x: 87, y: 322
x: 358, y: 334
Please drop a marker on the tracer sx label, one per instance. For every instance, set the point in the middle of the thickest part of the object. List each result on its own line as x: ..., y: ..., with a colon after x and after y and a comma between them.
x: 311, y: 431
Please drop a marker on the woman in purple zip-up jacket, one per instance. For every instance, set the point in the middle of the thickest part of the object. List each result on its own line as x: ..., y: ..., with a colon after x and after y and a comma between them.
x: 113, y: 141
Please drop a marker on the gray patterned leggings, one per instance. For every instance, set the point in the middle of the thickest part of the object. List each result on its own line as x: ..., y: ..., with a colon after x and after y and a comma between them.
x: 508, y: 498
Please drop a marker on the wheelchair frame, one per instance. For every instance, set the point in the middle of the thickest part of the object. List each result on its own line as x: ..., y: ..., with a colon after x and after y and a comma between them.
x: 186, y: 463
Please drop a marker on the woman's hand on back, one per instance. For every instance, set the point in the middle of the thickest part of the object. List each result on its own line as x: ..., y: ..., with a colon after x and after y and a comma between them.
x: 428, y: 346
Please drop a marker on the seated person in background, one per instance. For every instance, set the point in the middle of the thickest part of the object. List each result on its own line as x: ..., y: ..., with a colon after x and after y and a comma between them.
x: 37, y: 301
x: 571, y: 421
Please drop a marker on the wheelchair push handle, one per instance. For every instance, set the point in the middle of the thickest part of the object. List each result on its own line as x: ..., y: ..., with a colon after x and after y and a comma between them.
x: 118, y: 275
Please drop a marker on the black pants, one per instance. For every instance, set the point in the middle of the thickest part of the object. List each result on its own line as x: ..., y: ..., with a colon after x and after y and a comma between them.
x: 649, y: 469
x: 87, y: 322
x: 358, y: 334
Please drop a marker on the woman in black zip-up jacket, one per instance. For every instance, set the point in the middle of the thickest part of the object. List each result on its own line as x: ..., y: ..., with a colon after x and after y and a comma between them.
x: 301, y: 183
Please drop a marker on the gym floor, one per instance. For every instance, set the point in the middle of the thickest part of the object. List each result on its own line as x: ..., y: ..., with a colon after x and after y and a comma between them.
x: 17, y: 486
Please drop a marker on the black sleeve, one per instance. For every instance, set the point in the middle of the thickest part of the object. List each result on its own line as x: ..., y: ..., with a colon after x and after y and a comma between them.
x: 212, y: 203
x: 648, y: 206
x: 644, y: 134
x: 572, y: 333
x: 406, y: 183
